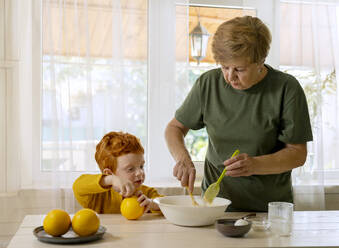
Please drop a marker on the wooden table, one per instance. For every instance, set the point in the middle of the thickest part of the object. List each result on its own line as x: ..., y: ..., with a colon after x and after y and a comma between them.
x: 310, y: 229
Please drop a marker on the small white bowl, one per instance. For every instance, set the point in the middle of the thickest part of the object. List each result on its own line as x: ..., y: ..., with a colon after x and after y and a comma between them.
x: 180, y: 211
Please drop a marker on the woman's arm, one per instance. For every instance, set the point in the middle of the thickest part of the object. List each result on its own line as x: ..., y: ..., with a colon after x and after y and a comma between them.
x: 288, y: 158
x: 184, y: 169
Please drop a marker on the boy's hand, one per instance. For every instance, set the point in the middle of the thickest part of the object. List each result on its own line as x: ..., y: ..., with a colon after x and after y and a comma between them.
x: 124, y: 186
x: 146, y: 202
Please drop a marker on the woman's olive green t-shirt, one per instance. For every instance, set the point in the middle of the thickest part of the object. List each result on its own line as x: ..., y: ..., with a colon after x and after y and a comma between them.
x: 257, y: 121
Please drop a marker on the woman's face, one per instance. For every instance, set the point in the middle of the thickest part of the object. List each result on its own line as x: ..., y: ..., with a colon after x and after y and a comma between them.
x: 241, y: 74
x: 131, y: 166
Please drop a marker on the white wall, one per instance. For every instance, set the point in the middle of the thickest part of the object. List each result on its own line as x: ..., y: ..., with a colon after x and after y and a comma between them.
x: 19, y: 94
x: 3, y: 84
x: 8, y: 71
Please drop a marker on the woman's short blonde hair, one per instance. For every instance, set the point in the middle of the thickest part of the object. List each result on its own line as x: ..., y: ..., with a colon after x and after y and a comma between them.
x: 114, y: 145
x: 241, y: 37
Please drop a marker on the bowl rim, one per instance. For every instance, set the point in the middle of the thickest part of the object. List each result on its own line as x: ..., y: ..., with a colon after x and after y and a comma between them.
x: 257, y: 219
x: 231, y: 220
x: 157, y: 200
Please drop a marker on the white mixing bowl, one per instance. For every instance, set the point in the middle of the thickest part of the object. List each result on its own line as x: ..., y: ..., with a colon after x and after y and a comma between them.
x: 180, y: 211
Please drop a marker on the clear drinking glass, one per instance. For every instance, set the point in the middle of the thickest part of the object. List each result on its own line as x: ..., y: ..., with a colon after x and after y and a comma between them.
x: 280, y: 217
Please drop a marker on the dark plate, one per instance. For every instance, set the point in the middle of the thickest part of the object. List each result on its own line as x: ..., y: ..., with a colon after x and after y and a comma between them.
x: 68, y: 238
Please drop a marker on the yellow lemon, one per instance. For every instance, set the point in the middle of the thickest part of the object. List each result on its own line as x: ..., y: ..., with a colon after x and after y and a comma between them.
x: 85, y: 222
x: 57, y: 222
x: 131, y: 209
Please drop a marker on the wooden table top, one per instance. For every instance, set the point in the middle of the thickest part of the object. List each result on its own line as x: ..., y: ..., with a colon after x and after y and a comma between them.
x: 310, y: 229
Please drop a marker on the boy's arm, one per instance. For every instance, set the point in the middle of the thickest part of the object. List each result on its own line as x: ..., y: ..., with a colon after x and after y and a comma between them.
x: 86, y: 186
x: 152, y: 193
x: 106, y: 181
x: 121, y: 185
x: 89, y: 184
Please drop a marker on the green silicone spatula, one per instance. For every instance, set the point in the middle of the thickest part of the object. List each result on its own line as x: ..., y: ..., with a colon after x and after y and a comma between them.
x: 213, y: 190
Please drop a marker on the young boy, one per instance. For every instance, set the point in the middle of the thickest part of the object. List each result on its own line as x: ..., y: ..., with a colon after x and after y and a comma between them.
x: 120, y: 157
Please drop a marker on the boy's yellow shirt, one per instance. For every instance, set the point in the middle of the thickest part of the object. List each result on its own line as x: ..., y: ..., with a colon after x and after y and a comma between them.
x: 90, y: 194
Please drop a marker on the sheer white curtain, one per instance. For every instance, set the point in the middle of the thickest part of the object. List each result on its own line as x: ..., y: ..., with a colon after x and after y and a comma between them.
x: 20, y: 85
x: 94, y: 81
x: 94, y: 60
x: 309, y: 50
x: 161, y: 88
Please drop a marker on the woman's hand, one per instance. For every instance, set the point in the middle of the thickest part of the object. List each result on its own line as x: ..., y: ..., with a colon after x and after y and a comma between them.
x: 286, y: 159
x: 146, y: 202
x: 184, y: 171
x: 241, y: 165
x: 124, y: 186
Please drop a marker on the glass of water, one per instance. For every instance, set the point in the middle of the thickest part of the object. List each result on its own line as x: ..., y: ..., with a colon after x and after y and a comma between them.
x: 280, y: 217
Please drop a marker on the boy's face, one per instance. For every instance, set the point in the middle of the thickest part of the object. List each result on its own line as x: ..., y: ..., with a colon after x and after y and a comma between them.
x: 131, y: 166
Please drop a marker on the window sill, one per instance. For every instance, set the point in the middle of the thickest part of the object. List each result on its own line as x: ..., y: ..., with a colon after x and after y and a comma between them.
x: 174, y: 185
x: 171, y: 186
x: 332, y: 189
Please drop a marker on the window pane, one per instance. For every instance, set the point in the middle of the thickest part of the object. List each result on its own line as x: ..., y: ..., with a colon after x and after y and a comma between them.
x: 321, y: 95
x: 187, y: 73
x: 94, y: 78
x: 310, y: 57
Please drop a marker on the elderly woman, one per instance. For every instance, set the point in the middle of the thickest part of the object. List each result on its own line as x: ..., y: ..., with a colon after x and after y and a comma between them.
x: 246, y: 105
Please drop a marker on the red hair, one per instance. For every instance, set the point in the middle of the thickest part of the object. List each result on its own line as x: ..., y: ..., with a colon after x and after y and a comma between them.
x: 114, y: 145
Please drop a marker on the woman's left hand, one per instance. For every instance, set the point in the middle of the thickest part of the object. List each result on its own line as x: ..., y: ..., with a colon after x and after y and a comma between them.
x: 241, y: 165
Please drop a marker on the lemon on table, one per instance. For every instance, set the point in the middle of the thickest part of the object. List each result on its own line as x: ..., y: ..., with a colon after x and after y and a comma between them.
x: 131, y: 209
x: 57, y: 222
x: 85, y: 222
